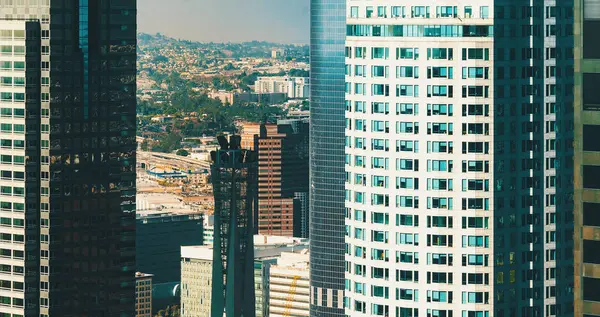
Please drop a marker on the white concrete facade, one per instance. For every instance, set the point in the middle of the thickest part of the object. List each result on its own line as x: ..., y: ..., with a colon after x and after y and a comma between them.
x: 458, y: 167
x: 419, y: 145
x: 12, y: 166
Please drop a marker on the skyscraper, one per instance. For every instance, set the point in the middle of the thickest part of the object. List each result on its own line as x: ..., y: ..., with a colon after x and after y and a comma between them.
x: 67, y: 99
x: 282, y: 175
x: 327, y: 36
x: 459, y: 132
x: 587, y: 161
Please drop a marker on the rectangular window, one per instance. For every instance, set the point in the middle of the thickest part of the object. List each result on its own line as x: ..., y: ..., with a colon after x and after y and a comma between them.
x: 475, y: 91
x: 6, y: 49
x: 590, y: 289
x: 475, y: 54
x: 439, y: 110
x: 407, y: 90
x: 439, y: 91
x: 380, y: 52
x: 398, y: 12
x: 591, y: 176
x: 19, y: 50
x: 380, y: 90
x: 380, y: 107
x: 590, y: 132
x: 420, y: 12
x: 407, y: 164
x: 407, y: 127
x: 407, y: 53
x: 380, y: 71
x: 380, y: 163
x: 440, y: 53
x: 406, y: 108
x: 475, y: 72
x: 484, y: 12
x: 591, y: 214
x: 439, y: 72
x: 446, y: 11
x: 407, y: 72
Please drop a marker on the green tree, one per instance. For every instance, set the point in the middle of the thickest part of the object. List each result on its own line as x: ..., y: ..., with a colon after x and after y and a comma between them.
x: 168, y: 143
x: 182, y: 152
x: 229, y: 66
x: 298, y: 73
x: 160, y: 59
x: 305, y: 105
x: 144, y: 145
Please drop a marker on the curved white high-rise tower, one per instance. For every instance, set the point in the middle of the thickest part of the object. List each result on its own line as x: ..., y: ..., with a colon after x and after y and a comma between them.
x: 451, y: 192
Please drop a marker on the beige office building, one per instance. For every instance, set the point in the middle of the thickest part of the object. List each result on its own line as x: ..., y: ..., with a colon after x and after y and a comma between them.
x: 289, y: 289
x: 196, y: 273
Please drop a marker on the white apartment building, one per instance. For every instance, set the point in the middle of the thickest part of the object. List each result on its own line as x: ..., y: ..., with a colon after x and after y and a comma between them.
x: 294, y: 87
x: 13, y: 170
x: 451, y: 139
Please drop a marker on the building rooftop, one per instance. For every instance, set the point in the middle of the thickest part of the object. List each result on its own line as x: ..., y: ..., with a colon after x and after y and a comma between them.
x: 294, y: 260
x: 143, y: 275
x: 264, y: 247
x: 161, y: 215
x: 158, y: 201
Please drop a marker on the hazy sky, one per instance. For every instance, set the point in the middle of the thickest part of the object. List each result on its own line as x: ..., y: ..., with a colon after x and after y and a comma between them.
x: 285, y: 21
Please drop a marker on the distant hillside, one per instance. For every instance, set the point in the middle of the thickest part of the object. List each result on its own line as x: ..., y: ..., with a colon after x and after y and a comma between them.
x: 232, y: 50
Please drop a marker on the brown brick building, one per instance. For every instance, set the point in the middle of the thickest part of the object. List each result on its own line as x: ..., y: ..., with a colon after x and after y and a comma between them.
x: 282, y: 175
x: 143, y: 295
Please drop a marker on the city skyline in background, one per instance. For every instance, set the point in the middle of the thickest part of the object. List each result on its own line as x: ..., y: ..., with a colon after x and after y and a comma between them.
x: 260, y: 20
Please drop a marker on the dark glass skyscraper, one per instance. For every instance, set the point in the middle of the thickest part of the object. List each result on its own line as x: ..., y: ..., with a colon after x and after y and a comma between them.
x: 328, y: 31
x: 67, y: 203
x: 234, y: 174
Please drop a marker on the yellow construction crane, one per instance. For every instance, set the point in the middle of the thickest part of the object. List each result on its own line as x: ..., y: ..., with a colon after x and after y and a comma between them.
x: 290, y: 297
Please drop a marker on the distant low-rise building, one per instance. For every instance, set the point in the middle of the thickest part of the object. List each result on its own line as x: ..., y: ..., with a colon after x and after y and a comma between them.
x: 143, y: 294
x: 149, y: 203
x: 226, y: 97
x: 293, y: 87
x: 277, y: 53
x: 162, y: 119
x: 196, y: 273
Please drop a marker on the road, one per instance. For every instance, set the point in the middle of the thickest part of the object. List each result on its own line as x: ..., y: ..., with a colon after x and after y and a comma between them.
x: 167, y: 159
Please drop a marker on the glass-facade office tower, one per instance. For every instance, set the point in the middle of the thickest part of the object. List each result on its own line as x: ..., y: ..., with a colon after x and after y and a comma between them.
x: 67, y: 168
x: 459, y: 170
x: 587, y: 159
x: 327, y: 36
